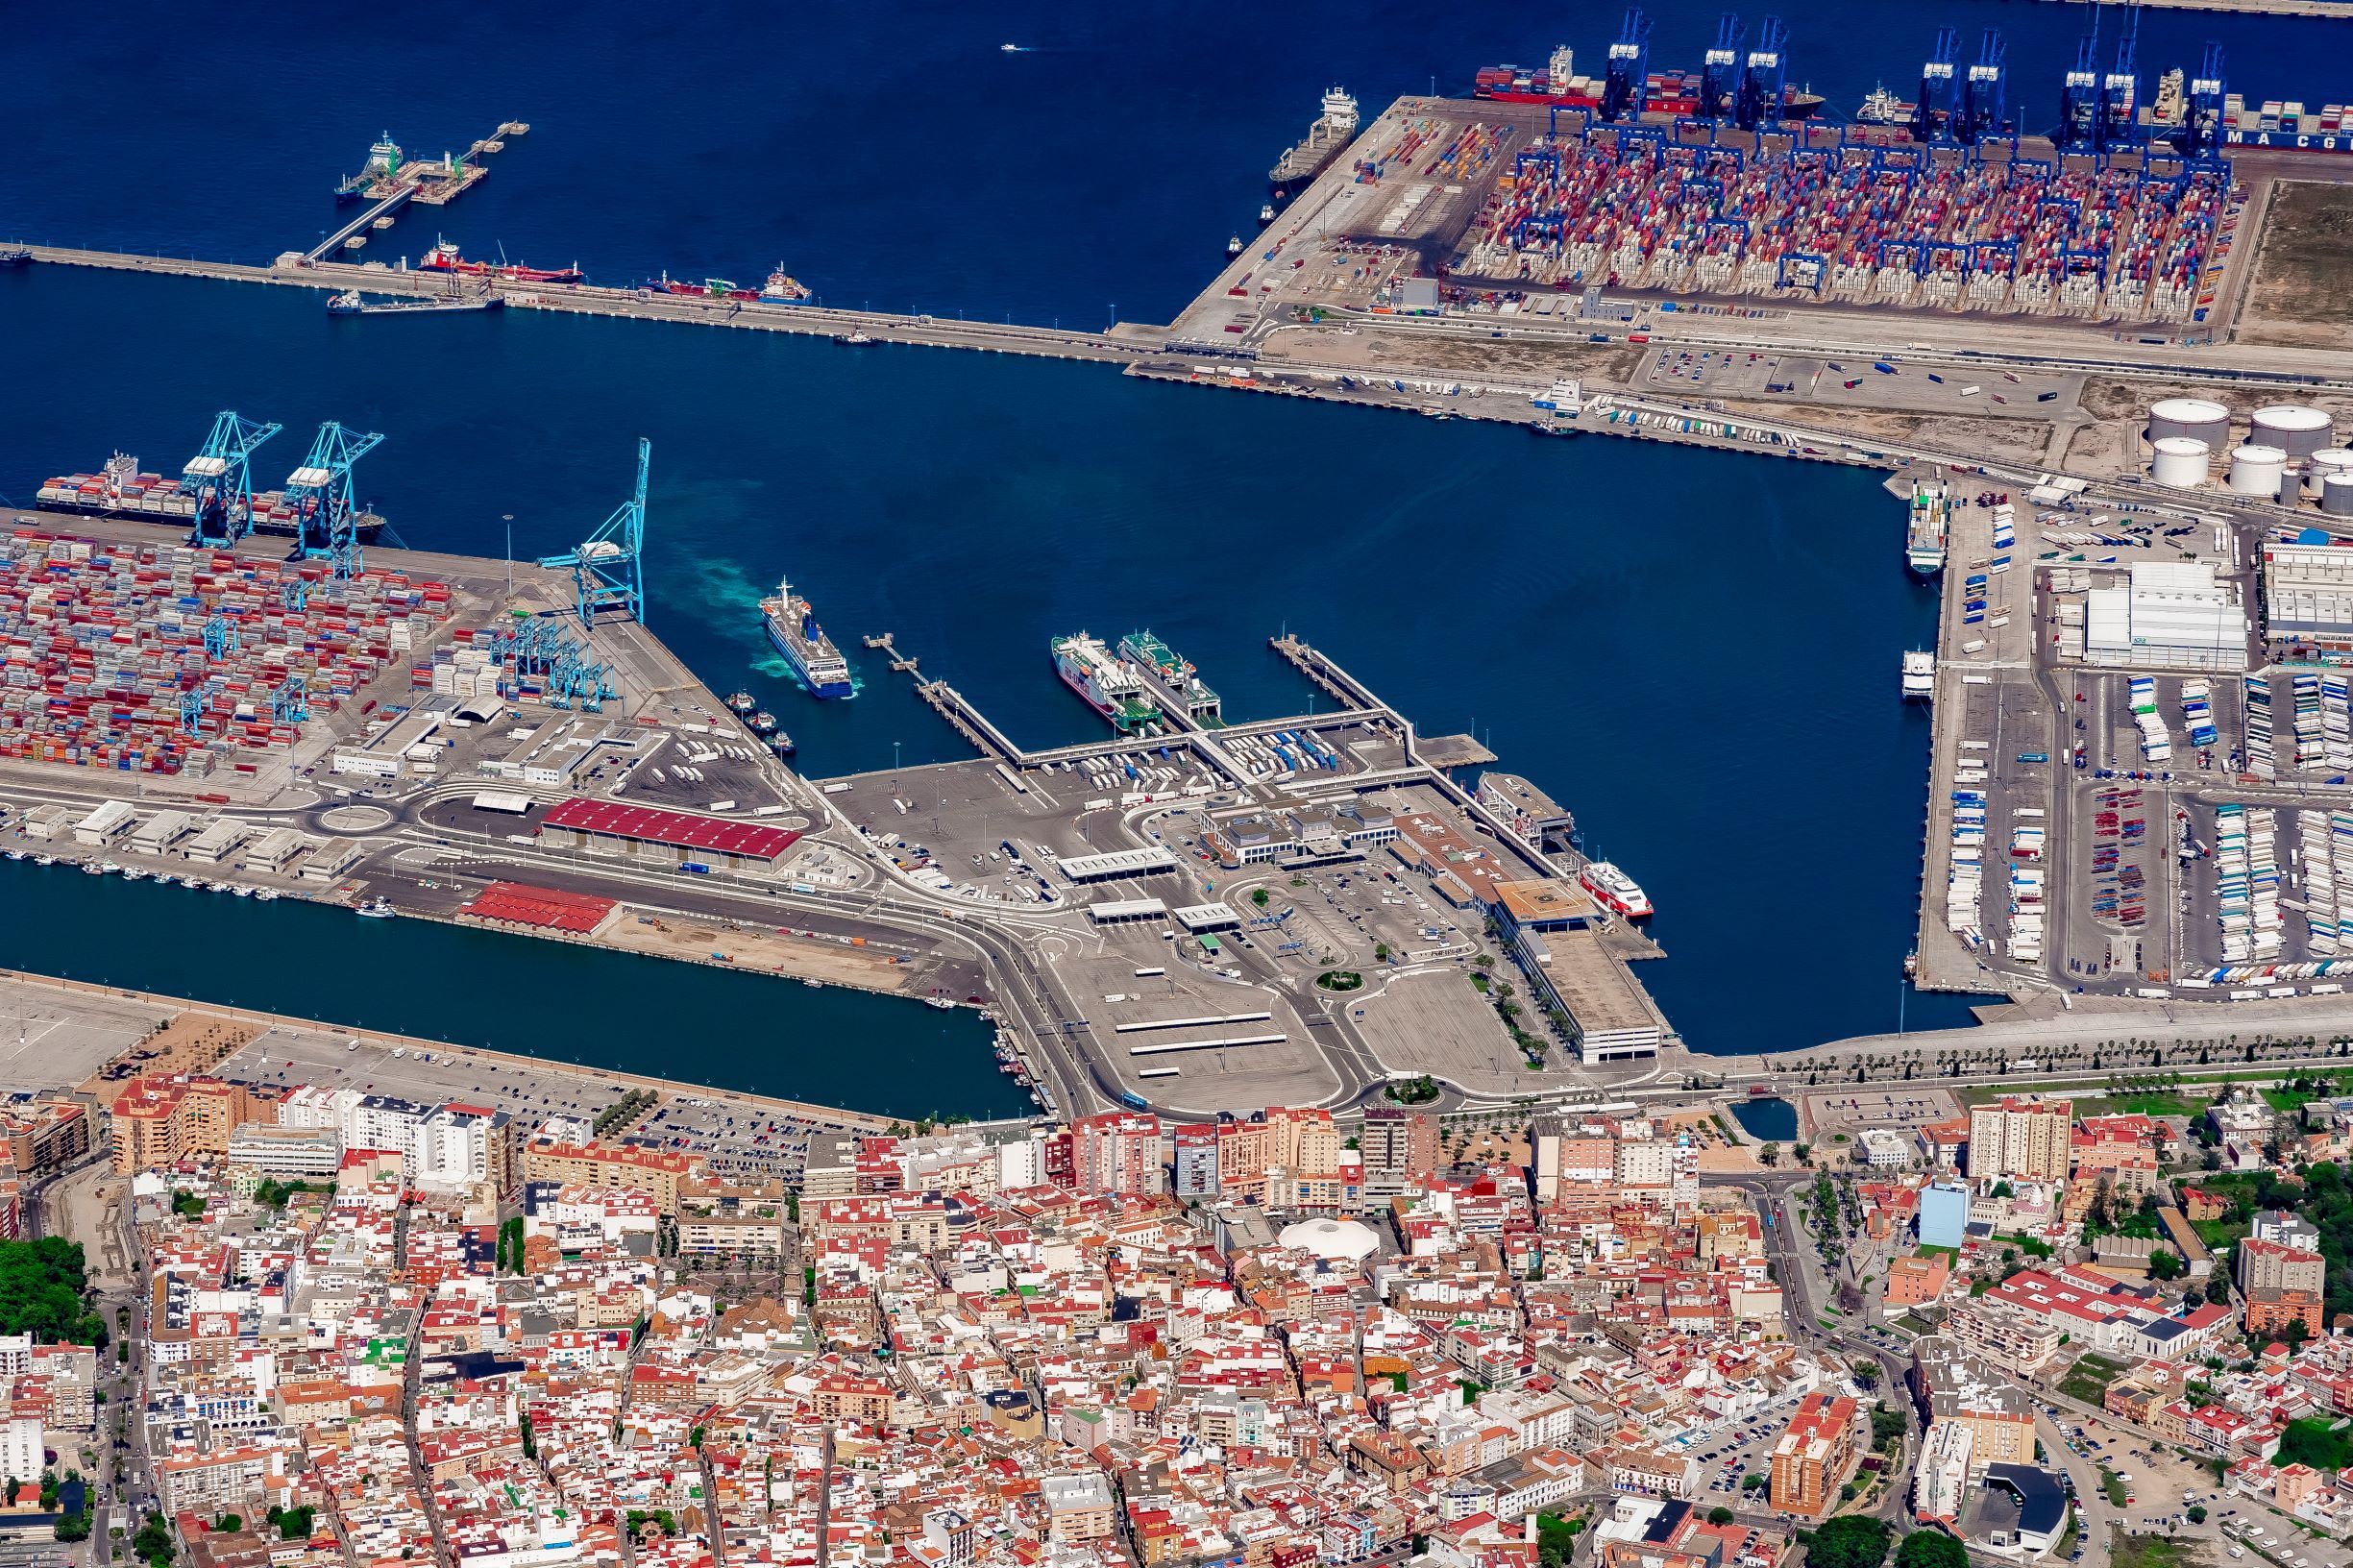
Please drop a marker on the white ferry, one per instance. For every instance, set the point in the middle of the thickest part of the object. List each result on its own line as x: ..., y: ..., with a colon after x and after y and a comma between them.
x: 1918, y: 677
x: 1615, y: 889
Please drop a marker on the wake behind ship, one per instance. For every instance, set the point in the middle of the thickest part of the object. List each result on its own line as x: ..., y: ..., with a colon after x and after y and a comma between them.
x: 792, y: 625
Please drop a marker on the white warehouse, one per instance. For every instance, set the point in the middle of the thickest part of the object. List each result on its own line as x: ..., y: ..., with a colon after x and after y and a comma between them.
x: 2171, y: 616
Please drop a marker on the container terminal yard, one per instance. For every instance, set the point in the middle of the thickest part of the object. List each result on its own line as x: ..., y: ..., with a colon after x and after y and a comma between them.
x: 2112, y: 365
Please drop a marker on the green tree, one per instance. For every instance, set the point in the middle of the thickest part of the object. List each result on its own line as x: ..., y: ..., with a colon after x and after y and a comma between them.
x: 2166, y: 1265
x: 1770, y: 1155
x: 1752, y: 1483
x: 43, y: 1293
x: 2217, y: 1289
x: 1848, y: 1541
x: 2004, y: 1189
x: 2197, y: 1513
x: 1554, y: 1540
x: 1867, y: 1373
x: 229, y: 1523
x: 1931, y: 1549
x: 1720, y: 1515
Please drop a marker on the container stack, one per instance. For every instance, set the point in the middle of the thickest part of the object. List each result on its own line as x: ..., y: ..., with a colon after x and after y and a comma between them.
x: 105, y: 642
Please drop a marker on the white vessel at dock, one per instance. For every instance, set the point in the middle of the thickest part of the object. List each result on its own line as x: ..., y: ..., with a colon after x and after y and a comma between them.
x: 1928, y: 527
x: 1918, y: 677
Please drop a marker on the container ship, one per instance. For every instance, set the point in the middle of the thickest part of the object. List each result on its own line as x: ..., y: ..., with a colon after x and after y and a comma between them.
x: 1664, y: 92
x: 121, y: 490
x: 1927, y: 528
x: 1107, y: 683
x: 444, y: 257
x: 792, y: 625
x: 1325, y: 140
x: 1614, y: 890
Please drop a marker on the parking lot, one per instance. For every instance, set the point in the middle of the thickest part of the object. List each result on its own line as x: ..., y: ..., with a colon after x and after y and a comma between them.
x: 1863, y: 384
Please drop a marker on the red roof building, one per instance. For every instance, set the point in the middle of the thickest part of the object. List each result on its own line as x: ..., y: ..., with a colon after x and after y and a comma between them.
x: 732, y: 843
x: 547, y: 909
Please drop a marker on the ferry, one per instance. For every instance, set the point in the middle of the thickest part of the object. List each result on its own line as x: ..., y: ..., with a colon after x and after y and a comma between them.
x: 1615, y: 889
x: 1918, y: 677
x: 1928, y: 527
x: 1107, y: 683
x: 792, y: 625
x: 444, y: 257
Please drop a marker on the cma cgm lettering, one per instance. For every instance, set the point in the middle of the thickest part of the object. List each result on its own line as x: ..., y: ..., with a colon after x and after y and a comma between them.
x: 2300, y: 141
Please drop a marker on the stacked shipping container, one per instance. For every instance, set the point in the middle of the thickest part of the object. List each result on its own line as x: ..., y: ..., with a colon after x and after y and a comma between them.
x: 103, y: 642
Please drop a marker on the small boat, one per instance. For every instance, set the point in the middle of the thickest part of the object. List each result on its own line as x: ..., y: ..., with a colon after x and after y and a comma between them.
x: 762, y: 724
x: 742, y: 702
x: 17, y: 854
x: 1011, y: 49
x: 345, y: 304
x: 242, y: 891
x: 15, y: 256
x: 44, y: 860
x: 377, y: 909
x: 853, y: 339
x: 1918, y: 675
x: 89, y: 868
x: 781, y: 744
x: 935, y: 999
x: 265, y: 896
x: 1234, y: 246
x: 1266, y: 212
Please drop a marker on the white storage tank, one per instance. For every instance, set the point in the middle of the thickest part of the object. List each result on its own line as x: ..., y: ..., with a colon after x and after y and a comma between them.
x: 2195, y: 419
x: 2182, y: 462
x: 2336, y: 494
x: 2321, y: 464
x: 2257, y: 471
x: 2295, y: 430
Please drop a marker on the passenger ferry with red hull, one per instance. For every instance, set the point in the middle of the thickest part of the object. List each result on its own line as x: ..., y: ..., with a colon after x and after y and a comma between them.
x: 1614, y: 890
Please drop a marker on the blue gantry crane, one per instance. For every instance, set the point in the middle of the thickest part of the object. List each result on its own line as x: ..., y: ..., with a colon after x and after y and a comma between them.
x: 327, y: 519
x: 2203, y: 132
x: 1626, y: 80
x: 605, y: 567
x: 220, y: 477
x: 1763, y: 100
x: 2120, y: 90
x: 2079, y: 126
x: 1932, y: 116
x: 1719, y: 68
x: 1985, y: 112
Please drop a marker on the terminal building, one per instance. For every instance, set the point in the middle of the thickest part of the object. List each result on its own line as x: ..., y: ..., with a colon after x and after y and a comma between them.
x: 1527, y: 810
x: 2308, y: 598
x: 1304, y: 835
x: 1117, y: 865
x: 1553, y: 931
x: 666, y: 837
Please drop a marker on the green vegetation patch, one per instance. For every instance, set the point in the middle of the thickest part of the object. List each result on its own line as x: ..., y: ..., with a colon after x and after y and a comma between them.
x: 2315, y: 1441
x: 44, y: 1292
x: 1412, y: 1091
x: 1341, y: 980
x: 2129, y: 1551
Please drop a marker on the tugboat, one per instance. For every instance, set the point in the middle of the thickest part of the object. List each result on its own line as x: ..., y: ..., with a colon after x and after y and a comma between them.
x: 1234, y: 246
x: 345, y: 304
x: 741, y: 703
x: 781, y: 744
x: 1266, y: 212
x: 762, y: 724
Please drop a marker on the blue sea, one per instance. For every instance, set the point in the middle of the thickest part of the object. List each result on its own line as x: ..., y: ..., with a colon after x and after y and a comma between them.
x: 1696, y: 653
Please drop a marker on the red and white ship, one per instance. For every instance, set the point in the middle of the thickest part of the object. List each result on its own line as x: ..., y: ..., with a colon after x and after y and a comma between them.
x: 444, y: 257
x: 1614, y: 890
